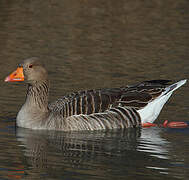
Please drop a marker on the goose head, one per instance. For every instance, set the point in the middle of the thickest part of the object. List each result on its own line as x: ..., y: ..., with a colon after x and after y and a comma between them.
x: 30, y: 71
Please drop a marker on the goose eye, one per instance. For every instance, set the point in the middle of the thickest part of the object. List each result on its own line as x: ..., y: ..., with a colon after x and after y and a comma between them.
x: 30, y: 66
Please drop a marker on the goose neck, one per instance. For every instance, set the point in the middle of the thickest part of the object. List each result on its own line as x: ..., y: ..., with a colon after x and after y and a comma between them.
x: 37, y: 94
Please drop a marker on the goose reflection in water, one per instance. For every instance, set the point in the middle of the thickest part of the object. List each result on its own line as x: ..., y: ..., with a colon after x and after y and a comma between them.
x: 54, y: 152
x: 74, y: 147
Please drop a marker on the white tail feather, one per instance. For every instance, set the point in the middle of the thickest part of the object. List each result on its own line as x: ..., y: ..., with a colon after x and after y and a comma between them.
x: 150, y: 112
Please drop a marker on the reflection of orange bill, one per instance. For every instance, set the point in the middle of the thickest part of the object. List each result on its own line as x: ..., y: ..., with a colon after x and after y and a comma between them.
x: 16, y: 75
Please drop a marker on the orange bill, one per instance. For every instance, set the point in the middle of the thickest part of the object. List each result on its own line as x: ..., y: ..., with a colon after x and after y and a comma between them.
x: 16, y: 75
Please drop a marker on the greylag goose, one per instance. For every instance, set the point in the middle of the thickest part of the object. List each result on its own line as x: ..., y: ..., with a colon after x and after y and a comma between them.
x: 130, y: 106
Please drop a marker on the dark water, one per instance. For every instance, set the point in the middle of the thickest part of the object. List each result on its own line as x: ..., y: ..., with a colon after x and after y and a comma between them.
x: 92, y: 44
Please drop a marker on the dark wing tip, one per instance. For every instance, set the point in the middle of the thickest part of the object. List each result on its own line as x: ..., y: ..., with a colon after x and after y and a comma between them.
x: 158, y: 81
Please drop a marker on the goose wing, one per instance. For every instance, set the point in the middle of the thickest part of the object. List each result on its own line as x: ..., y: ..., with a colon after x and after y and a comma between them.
x: 87, y: 102
x: 96, y: 101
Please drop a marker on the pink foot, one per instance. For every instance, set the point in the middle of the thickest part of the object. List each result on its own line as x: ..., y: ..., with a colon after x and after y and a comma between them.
x: 147, y: 125
x: 175, y: 124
